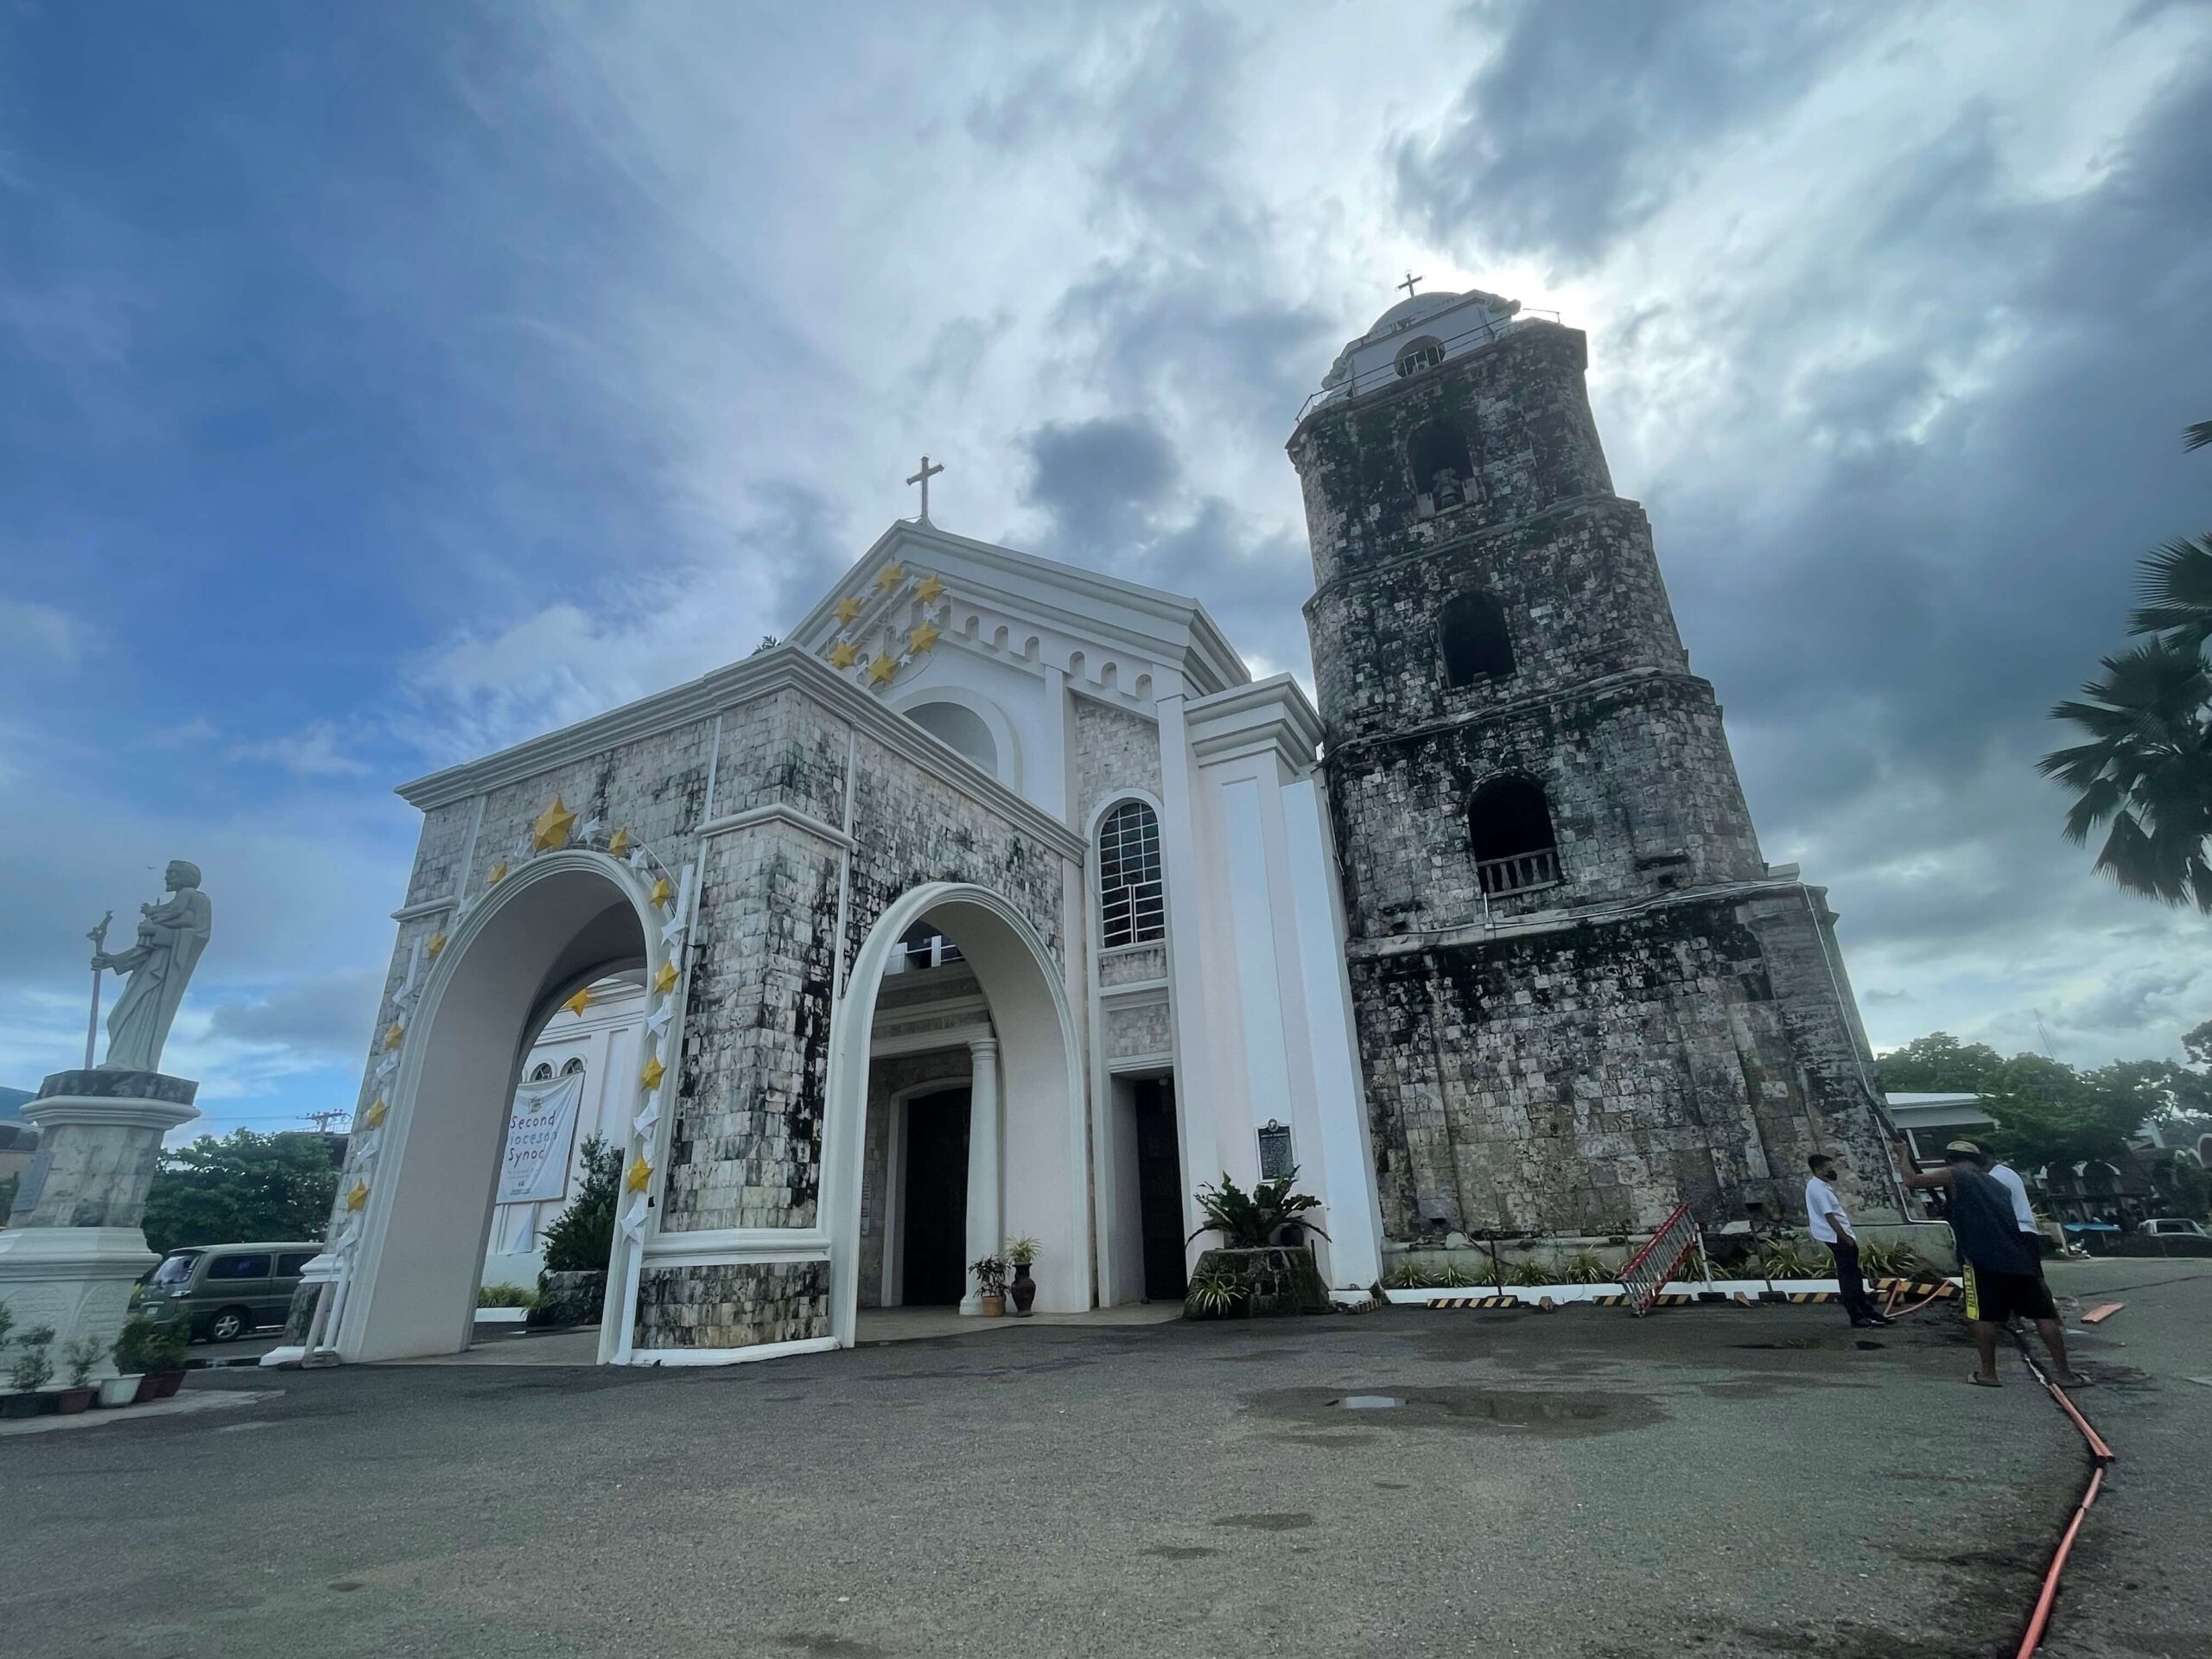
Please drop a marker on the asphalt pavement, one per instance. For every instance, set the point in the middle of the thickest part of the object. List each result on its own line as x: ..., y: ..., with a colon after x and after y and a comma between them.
x: 1708, y: 1481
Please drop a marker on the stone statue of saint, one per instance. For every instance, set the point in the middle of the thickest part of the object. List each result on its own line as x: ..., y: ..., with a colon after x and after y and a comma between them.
x: 171, y: 936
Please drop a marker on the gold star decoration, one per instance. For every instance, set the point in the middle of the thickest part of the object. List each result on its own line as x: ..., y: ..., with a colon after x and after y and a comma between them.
x: 922, y: 637
x: 881, y: 669
x: 580, y: 1002
x: 396, y: 1036
x: 437, y: 944
x: 664, y: 981
x: 641, y: 1176
x: 662, y: 892
x: 848, y: 610
x: 496, y: 874
x: 653, y: 1073
x: 618, y: 843
x: 374, y: 1118
x: 357, y: 1196
x: 889, y: 577
x: 844, y: 654
x: 929, y: 590
x: 550, y: 832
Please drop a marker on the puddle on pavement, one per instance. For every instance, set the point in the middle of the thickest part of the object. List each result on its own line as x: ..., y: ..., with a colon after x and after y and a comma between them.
x: 1477, y: 1411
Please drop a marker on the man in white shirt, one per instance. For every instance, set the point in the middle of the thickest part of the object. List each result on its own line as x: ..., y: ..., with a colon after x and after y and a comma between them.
x: 1826, y: 1221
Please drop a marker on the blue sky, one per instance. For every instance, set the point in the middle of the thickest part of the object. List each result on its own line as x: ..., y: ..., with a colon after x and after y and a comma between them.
x: 379, y: 384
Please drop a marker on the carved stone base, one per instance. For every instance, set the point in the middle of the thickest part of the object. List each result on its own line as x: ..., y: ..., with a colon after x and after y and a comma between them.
x: 72, y: 1246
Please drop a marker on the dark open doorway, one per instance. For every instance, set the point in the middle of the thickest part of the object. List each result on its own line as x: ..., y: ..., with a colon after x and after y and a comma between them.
x: 1160, y: 1190
x: 934, y: 1202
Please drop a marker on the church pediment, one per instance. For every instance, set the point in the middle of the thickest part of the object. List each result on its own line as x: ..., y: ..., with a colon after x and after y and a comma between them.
x: 919, y: 590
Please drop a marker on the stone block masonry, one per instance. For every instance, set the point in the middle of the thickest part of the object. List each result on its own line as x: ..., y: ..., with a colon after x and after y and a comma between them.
x: 803, y: 808
x: 1586, y: 1077
x: 1646, y: 1014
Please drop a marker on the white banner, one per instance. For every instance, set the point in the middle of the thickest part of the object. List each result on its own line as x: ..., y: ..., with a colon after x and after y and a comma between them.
x: 541, y: 1126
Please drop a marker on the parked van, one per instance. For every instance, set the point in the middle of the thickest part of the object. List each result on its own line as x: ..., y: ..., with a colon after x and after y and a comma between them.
x: 224, y: 1292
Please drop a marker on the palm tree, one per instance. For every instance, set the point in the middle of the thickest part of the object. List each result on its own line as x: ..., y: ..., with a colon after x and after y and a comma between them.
x: 2147, y: 769
x: 2197, y: 436
x: 2175, y: 584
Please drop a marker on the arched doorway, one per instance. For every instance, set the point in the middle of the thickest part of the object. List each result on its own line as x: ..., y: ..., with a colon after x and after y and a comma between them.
x: 1027, y: 1170
x: 559, y: 923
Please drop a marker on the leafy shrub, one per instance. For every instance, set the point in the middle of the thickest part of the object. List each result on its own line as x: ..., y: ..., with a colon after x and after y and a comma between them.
x: 1587, y: 1268
x: 80, y: 1355
x: 1019, y: 1252
x: 1409, y: 1276
x: 1791, y: 1257
x: 990, y: 1276
x: 505, y: 1296
x: 1878, y: 1259
x: 1250, y: 1221
x: 1214, y: 1294
x: 1528, y: 1273
x: 143, y: 1346
x: 32, y: 1370
x: 583, y: 1236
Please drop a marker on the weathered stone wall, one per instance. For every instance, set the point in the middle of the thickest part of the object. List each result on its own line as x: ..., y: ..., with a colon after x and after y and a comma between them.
x: 1526, y: 417
x: 1587, y: 1078
x: 1138, y: 1026
x: 1650, y: 1028
x: 1642, y: 789
x: 1580, y: 587
x: 780, y: 912
x: 1114, y: 751
x: 733, y: 1304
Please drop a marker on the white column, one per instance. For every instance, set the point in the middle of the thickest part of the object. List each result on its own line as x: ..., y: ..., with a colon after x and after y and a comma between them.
x: 985, y: 1224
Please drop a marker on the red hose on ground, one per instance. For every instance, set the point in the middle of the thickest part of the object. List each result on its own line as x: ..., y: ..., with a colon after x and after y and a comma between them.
x: 2101, y: 1458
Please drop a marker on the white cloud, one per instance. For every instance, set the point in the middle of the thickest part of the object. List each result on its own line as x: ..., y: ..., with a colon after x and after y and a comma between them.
x: 34, y: 634
x: 312, y: 752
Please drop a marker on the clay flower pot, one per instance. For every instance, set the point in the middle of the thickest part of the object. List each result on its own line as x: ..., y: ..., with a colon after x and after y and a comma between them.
x: 1024, y: 1289
x: 67, y: 1403
x: 994, y: 1306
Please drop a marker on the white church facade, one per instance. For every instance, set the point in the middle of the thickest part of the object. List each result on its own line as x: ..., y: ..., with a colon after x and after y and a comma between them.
x: 999, y: 900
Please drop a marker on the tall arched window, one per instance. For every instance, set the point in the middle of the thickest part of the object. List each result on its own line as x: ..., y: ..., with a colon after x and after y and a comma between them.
x: 1511, y: 824
x: 1132, y: 897
x: 1441, y: 466
x: 1476, y: 644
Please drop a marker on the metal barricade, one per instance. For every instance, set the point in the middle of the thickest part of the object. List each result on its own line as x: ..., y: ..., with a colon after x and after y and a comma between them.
x: 1650, y: 1267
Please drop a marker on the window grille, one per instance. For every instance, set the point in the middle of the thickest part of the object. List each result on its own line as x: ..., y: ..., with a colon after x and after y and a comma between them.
x: 573, y: 1069
x: 922, y: 946
x: 1132, y: 897
x: 541, y: 1072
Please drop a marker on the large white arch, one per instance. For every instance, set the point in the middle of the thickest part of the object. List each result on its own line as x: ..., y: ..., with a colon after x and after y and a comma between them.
x: 1045, y: 1169
x: 557, y: 921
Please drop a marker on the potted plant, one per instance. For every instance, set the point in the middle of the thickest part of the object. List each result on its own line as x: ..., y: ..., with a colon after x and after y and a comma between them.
x: 31, y: 1372
x: 155, y: 1353
x: 1021, y: 1254
x: 990, y: 1284
x: 78, y: 1357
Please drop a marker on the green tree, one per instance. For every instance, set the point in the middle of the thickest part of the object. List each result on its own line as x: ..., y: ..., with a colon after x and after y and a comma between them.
x: 7, y: 1185
x: 2147, y: 771
x: 1938, y: 1064
x: 583, y: 1236
x: 238, y: 1187
x: 2047, y: 1112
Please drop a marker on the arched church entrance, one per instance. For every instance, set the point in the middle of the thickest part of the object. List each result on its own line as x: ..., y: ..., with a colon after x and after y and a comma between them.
x: 562, y: 922
x: 955, y: 1113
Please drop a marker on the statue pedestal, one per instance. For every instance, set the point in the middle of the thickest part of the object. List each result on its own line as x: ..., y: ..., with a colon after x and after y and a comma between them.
x: 73, y: 1247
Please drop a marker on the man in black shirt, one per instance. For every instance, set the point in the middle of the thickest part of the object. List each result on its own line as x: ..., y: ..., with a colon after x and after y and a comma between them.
x: 2002, y: 1273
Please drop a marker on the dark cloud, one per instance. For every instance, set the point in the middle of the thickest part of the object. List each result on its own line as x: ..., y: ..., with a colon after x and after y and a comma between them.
x: 1101, y: 480
x: 1582, y: 123
x: 327, y: 1017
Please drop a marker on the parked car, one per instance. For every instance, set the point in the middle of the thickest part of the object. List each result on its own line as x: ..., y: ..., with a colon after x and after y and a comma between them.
x: 224, y: 1292
x: 2174, y: 1227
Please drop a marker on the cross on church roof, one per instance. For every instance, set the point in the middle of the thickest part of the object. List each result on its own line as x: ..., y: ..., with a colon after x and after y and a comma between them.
x: 922, y: 478
x: 1408, y: 283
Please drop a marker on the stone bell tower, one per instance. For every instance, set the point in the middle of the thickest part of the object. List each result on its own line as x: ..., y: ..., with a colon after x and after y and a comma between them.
x: 1581, y: 993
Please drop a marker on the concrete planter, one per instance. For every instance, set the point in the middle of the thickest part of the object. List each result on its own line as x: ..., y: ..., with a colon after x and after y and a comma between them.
x: 1281, y: 1279
x: 120, y: 1390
